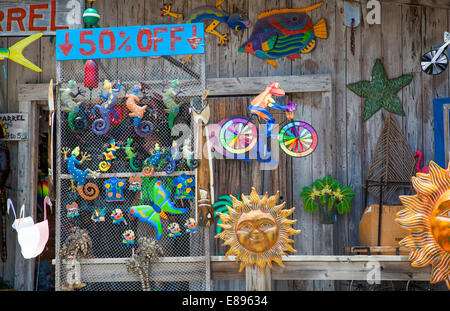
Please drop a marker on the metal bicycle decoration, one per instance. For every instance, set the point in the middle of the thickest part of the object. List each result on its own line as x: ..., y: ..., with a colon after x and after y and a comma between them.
x: 435, y: 61
x: 239, y: 134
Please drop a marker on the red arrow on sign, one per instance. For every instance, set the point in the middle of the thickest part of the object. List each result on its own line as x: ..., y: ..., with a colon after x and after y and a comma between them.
x: 194, y: 41
x: 66, y: 47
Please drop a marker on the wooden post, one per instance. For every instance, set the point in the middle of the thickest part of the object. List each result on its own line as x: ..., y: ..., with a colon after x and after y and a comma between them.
x: 256, y: 281
x: 27, y: 183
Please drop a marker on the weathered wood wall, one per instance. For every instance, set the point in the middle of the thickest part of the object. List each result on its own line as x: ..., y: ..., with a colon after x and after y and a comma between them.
x: 345, y: 142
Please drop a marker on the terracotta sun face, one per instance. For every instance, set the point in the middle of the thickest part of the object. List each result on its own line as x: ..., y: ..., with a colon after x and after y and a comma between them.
x: 427, y: 216
x: 257, y: 230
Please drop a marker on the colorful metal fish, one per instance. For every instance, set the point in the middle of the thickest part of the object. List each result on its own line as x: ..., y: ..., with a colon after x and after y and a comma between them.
x: 161, y: 203
x: 284, y: 32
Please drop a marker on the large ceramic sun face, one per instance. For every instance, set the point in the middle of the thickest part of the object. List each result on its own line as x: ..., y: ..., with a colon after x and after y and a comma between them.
x: 427, y: 216
x: 257, y: 230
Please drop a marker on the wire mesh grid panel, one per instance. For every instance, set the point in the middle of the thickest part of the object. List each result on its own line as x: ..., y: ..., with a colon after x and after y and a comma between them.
x: 126, y: 175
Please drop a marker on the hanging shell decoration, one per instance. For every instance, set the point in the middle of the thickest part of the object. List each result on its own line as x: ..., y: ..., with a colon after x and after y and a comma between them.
x: 427, y: 216
x: 257, y: 230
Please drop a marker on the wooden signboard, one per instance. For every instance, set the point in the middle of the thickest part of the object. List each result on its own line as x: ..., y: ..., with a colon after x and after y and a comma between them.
x: 130, y: 41
x: 22, y: 18
x: 16, y: 125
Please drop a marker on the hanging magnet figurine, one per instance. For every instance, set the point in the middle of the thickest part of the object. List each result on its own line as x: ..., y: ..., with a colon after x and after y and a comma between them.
x: 191, y: 225
x: 87, y: 191
x: 98, y: 215
x: 142, y: 128
x: 174, y: 230
x: 72, y: 210
x: 77, y: 121
x: 188, y: 155
x: 135, y: 183
x: 114, y: 192
x: 102, y: 125
x: 135, y: 164
x: 128, y: 237
x: 109, y: 156
x: 117, y: 216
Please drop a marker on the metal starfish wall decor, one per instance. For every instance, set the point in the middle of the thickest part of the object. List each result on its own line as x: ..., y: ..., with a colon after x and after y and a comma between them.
x: 381, y: 91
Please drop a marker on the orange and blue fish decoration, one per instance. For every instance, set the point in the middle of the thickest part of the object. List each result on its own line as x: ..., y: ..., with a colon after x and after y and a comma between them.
x: 161, y: 205
x: 284, y: 33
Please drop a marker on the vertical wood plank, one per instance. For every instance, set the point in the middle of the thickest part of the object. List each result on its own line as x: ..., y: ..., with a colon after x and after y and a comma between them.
x: 231, y: 62
x: 434, y: 23
x: 412, y: 52
x: 371, y: 50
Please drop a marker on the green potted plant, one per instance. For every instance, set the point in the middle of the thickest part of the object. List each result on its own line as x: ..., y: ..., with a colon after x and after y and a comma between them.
x: 329, y: 196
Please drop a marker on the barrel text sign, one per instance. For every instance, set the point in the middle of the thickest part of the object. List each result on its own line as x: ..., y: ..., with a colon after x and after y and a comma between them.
x: 132, y: 41
x: 22, y: 18
x: 16, y: 125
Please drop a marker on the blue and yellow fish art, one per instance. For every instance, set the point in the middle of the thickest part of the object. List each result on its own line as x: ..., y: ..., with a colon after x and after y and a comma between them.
x: 284, y: 33
x: 153, y: 212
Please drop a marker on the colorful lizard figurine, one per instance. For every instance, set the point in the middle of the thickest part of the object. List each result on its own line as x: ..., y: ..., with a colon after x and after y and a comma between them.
x: 72, y: 107
x: 188, y: 155
x: 109, y: 155
x: 234, y: 21
x: 87, y: 191
x: 142, y: 128
x: 168, y: 97
x: 135, y: 164
x: 101, y: 126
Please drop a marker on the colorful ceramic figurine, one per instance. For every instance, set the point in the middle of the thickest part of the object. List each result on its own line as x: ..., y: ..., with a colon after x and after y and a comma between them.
x: 109, y: 156
x: 142, y: 128
x: 76, y: 121
x: 172, y: 107
x: 234, y: 21
x: 152, y: 162
x: 101, y: 126
x: 128, y: 237
x: 184, y: 187
x: 135, y: 183
x: 285, y: 32
x: 161, y: 204
x: 98, y: 215
x: 14, y: 53
x: 117, y: 216
x: 87, y: 191
x: 135, y: 164
x: 191, y: 225
x: 174, y: 230
x: 72, y: 210
x: 188, y: 155
x: 114, y: 192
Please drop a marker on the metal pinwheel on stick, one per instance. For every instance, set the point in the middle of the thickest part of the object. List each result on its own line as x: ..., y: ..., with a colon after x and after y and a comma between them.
x: 435, y: 61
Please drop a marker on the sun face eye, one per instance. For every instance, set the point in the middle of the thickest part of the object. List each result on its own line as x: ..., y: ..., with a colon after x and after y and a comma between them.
x: 265, y: 225
x: 246, y: 227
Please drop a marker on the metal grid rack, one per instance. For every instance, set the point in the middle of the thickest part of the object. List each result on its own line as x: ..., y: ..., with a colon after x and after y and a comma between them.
x: 184, y: 264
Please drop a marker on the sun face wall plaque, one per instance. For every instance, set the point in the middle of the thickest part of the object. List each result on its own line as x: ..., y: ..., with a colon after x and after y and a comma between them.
x: 427, y: 216
x: 257, y: 230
